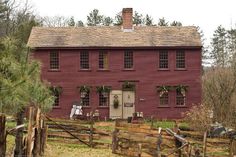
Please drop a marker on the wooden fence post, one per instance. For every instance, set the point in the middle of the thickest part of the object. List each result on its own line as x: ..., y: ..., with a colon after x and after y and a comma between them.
x: 91, y: 134
x: 36, y: 149
x: 115, y: 139
x: 2, y: 135
x: 204, y: 144
x: 232, y: 148
x: 139, y: 149
x: 30, y: 132
x: 43, y: 136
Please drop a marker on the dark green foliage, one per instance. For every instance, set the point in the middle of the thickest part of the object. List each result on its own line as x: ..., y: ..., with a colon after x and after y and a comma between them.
x: 105, y: 89
x: 128, y: 86
x: 71, y: 22
x: 118, y: 20
x: 176, y: 23
x: 94, y: 18
x: 162, y: 22
x: 80, y: 24
x: 107, y: 21
x: 148, y: 20
x: 138, y: 18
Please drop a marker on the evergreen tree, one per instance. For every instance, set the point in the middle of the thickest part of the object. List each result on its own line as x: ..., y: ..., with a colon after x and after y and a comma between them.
x: 71, y: 22
x: 231, y: 43
x: 138, y: 18
x: 118, y: 20
x: 219, y: 52
x: 176, y: 23
x: 162, y: 22
x: 148, y: 20
x: 94, y: 18
x: 107, y: 21
x: 80, y: 24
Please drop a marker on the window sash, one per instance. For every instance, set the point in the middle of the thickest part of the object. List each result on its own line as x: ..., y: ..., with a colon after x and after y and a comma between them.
x: 103, y: 101
x: 85, y: 100
x: 180, y: 59
x: 54, y: 60
x: 57, y: 99
x: 103, y: 60
x: 128, y: 59
x: 180, y: 99
x: 164, y: 99
x: 163, y: 59
x: 84, y: 60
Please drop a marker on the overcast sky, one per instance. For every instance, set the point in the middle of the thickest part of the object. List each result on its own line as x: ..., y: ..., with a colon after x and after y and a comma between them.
x: 208, y: 14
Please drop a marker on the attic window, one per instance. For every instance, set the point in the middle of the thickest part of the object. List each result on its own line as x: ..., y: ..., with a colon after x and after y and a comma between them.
x: 54, y: 60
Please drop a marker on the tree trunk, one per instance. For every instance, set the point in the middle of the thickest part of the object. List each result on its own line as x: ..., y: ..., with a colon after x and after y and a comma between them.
x: 19, y: 134
x: 2, y: 135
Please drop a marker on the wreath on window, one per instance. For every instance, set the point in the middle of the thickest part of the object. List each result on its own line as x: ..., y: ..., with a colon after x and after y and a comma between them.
x: 116, y: 102
x: 182, y: 89
x: 104, y: 90
x: 84, y: 90
x: 163, y: 89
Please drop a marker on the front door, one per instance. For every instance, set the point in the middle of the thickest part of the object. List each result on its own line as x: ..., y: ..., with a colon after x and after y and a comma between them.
x: 128, y: 103
x: 115, y: 104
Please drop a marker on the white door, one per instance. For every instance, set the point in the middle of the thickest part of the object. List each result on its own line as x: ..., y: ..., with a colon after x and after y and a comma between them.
x: 115, y: 98
x: 128, y: 103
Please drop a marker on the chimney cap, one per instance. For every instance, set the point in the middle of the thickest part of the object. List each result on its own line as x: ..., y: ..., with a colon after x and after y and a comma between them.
x: 127, y: 10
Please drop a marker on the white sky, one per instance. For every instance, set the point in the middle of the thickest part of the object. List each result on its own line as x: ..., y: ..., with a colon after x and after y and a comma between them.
x: 208, y: 14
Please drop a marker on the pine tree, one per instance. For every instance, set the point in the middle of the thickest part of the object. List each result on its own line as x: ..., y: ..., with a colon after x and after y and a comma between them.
x: 71, y: 22
x: 138, y: 18
x: 148, y: 20
x: 118, y: 20
x: 219, y: 52
x: 107, y: 21
x: 94, y: 18
x: 162, y: 22
x: 176, y: 23
x: 231, y: 43
x: 80, y: 24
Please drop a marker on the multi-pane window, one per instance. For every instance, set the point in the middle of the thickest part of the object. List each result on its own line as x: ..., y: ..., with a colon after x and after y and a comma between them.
x: 84, y: 60
x: 54, y: 60
x: 56, y: 101
x: 128, y: 60
x: 103, y: 60
x: 85, y: 100
x: 180, y: 59
x: 180, y: 98
x: 103, y: 100
x: 163, y: 59
x: 164, y: 99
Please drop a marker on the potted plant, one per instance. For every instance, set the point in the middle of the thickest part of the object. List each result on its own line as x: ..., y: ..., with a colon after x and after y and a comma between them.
x: 84, y: 90
x: 104, y: 90
x: 182, y: 89
x: 128, y: 86
x: 163, y: 89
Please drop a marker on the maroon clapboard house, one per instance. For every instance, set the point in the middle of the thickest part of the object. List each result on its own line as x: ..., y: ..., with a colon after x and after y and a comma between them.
x: 119, y: 70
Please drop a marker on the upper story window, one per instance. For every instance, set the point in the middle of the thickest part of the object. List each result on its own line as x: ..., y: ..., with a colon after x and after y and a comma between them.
x: 128, y: 59
x: 103, y: 60
x: 180, y: 59
x: 163, y: 59
x: 57, y: 97
x: 84, y: 60
x: 54, y: 60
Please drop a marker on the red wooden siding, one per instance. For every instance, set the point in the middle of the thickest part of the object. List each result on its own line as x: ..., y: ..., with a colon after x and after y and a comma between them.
x: 145, y: 72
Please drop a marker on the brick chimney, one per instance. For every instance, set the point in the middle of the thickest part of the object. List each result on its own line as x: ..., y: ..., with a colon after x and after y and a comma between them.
x: 127, y: 16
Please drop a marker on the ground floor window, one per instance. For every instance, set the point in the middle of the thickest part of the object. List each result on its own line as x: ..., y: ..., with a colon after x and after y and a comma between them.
x: 103, y: 99
x: 85, y: 99
x: 57, y: 98
x: 164, y: 99
x: 180, y: 98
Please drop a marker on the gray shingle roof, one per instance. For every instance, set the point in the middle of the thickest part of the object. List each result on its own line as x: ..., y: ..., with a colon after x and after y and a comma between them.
x: 114, y: 36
